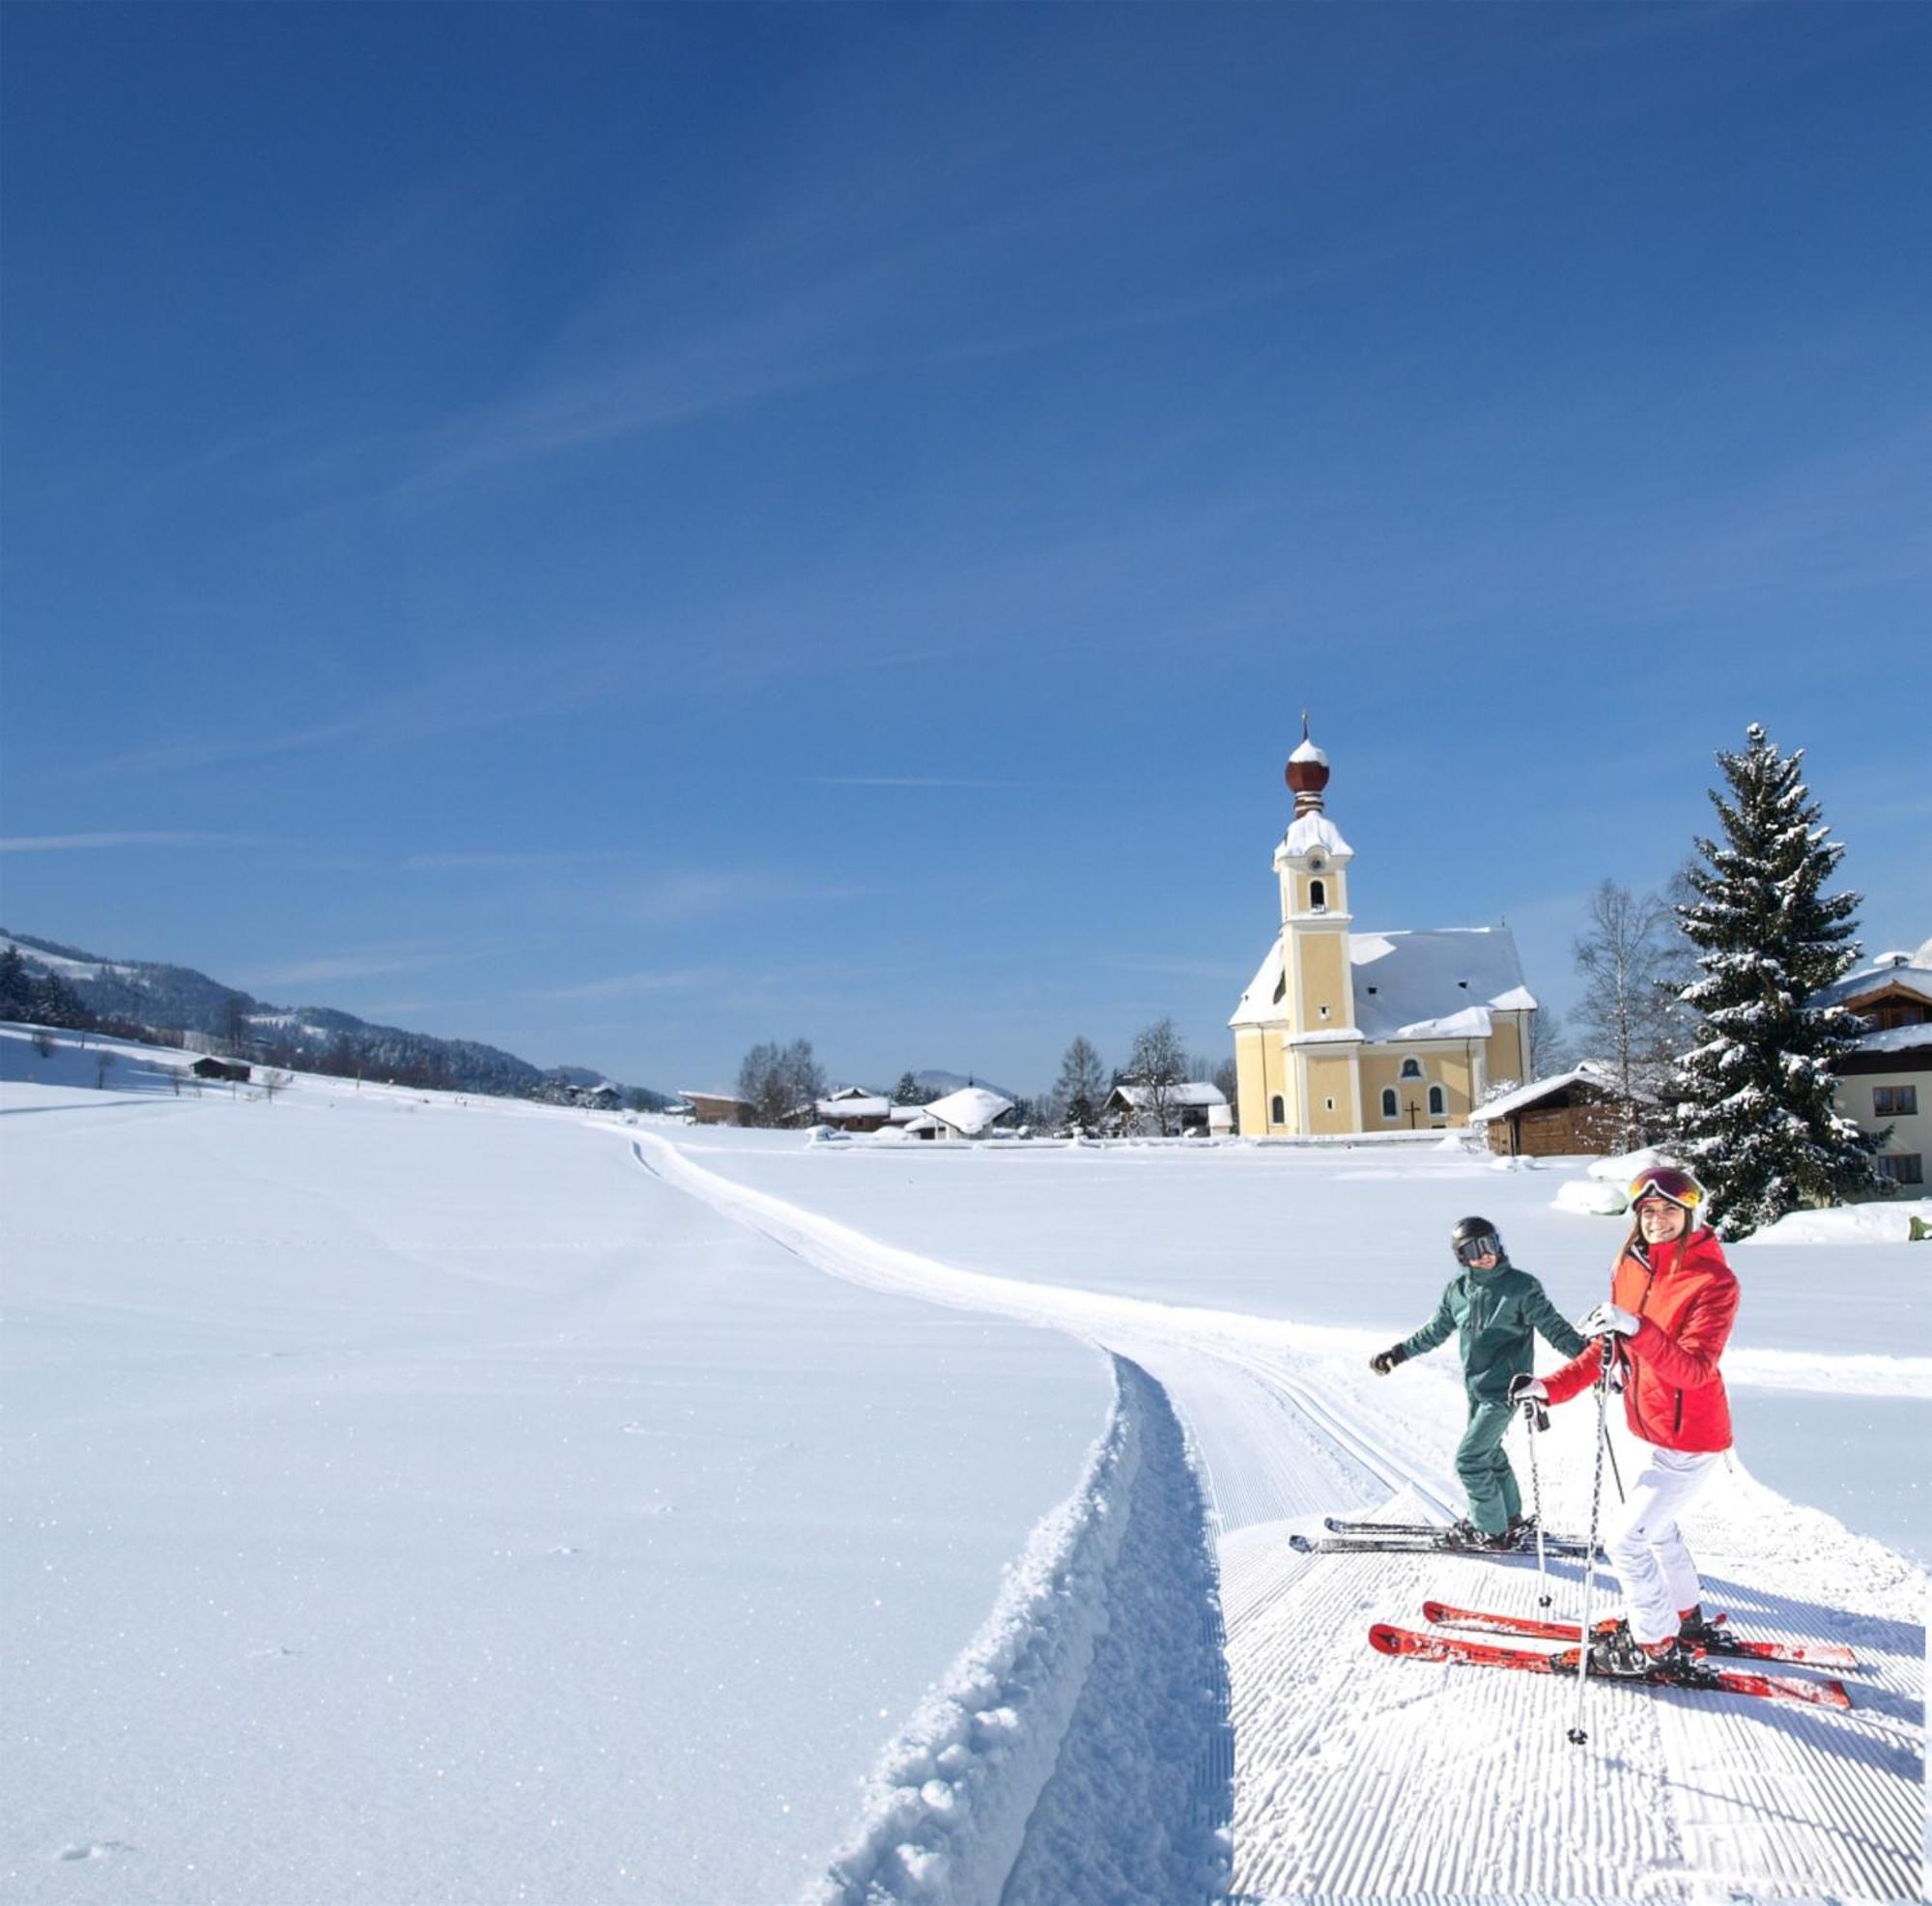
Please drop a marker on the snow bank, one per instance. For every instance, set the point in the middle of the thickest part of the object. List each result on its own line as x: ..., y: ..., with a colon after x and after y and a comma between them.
x: 1619, y: 1171
x: 951, y: 1796
x: 1890, y: 1223
x: 1079, y: 1750
x: 1591, y: 1197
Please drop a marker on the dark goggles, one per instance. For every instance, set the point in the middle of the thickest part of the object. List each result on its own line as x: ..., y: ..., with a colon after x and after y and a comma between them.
x: 1486, y: 1245
x: 1668, y: 1182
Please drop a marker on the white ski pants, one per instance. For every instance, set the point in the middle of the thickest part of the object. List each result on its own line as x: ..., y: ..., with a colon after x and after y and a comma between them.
x: 1642, y: 1541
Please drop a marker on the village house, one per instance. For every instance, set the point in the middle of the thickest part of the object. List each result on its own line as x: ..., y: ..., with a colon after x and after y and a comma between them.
x: 853, y: 1108
x: 718, y: 1108
x: 1189, y: 1104
x: 1342, y: 1032
x: 1888, y: 1082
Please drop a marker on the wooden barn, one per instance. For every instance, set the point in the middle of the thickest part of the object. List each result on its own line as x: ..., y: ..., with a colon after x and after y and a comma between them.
x: 1578, y: 1112
x: 221, y: 1068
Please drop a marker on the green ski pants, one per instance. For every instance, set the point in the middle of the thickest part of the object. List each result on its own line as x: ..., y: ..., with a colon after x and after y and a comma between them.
x: 1495, y: 1500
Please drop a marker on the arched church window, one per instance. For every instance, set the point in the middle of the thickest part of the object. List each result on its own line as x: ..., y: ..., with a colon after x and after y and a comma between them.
x: 1278, y: 1112
x: 1411, y: 1069
x: 1439, y: 1103
x: 1318, y: 895
x: 1390, y: 1108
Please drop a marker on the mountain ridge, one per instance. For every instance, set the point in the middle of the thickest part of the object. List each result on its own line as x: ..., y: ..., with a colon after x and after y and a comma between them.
x: 170, y: 998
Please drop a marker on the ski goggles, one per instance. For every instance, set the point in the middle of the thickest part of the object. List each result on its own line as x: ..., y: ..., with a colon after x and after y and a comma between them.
x: 1670, y: 1182
x: 1484, y: 1246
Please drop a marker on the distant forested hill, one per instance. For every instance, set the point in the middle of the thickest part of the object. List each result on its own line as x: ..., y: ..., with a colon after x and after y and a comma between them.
x: 168, y: 999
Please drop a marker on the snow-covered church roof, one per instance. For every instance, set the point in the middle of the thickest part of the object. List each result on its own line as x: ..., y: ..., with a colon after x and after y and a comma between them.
x: 1435, y: 985
x: 1442, y: 985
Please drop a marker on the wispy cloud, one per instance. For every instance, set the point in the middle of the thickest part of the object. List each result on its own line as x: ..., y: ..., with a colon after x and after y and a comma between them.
x: 484, y: 693
x: 619, y: 985
x: 1177, y: 966
x: 912, y: 781
x: 489, y: 862
x: 66, y: 843
x: 675, y: 899
x: 372, y: 965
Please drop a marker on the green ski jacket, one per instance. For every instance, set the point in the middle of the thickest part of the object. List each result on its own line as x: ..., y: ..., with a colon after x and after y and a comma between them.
x: 1496, y: 1311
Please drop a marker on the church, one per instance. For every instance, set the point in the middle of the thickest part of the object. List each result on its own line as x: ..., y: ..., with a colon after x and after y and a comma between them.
x: 1343, y: 1032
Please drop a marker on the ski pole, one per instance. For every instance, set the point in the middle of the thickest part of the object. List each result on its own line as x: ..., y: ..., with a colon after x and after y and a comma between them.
x: 1535, y: 1418
x: 1578, y: 1737
x: 1616, y: 1474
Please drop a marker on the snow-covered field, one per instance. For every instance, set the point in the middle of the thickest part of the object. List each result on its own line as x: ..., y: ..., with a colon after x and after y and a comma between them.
x: 410, y: 1500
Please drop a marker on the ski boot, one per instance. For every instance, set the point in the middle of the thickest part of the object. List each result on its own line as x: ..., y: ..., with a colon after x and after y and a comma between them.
x: 1619, y: 1653
x: 1695, y: 1631
x: 1467, y: 1535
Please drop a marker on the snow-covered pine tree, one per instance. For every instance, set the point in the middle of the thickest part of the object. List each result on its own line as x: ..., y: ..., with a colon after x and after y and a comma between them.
x: 1754, y: 1116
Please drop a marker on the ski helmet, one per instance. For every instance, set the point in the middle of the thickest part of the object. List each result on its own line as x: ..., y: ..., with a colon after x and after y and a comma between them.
x: 1670, y: 1182
x: 1473, y: 1238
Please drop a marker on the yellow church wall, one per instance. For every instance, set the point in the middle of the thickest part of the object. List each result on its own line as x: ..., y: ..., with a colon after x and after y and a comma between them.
x: 1505, y: 1053
x: 1330, y: 1078
x: 1250, y: 1089
x: 1324, y: 981
x: 1456, y: 1072
x: 1261, y: 1072
x: 1280, y: 1076
x: 1379, y: 1071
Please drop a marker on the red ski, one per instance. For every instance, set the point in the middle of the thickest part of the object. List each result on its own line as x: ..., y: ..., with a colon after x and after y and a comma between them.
x: 1700, y: 1678
x: 1824, y: 1654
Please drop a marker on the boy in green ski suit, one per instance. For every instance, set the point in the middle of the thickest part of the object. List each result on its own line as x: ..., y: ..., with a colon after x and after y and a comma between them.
x: 1496, y: 1307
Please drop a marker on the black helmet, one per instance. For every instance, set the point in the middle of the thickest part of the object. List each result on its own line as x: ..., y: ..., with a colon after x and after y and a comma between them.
x: 1473, y: 1238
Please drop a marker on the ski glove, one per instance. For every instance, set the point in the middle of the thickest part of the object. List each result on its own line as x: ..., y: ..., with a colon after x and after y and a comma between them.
x: 1609, y: 1321
x: 1383, y: 1361
x: 1524, y: 1387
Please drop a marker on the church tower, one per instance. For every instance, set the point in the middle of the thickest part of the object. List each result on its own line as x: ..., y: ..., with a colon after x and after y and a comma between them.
x: 1342, y: 1032
x: 1320, y: 1040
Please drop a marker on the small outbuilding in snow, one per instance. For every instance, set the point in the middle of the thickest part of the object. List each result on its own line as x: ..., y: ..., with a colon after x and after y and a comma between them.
x: 221, y: 1068
x: 968, y: 1113
x: 1579, y: 1111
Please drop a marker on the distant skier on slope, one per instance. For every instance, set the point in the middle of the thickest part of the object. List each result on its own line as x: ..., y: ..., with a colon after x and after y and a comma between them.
x: 1497, y: 1309
x: 1674, y: 1299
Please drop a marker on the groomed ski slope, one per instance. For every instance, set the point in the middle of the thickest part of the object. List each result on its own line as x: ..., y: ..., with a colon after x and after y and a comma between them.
x: 1358, y: 1776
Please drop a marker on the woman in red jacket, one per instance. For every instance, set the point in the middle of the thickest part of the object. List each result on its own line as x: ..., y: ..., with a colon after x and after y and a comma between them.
x: 1674, y: 1299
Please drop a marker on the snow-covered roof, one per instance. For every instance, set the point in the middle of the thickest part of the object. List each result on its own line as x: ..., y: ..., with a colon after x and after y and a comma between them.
x: 847, y: 1092
x: 722, y: 1097
x: 1192, y: 1092
x: 1308, y: 832
x: 1897, y: 1038
x: 1410, y: 986
x: 1259, y: 1005
x: 853, y: 1105
x: 970, y: 1110
x: 1911, y: 979
x: 1435, y: 985
x: 906, y: 1115
x: 1539, y: 1090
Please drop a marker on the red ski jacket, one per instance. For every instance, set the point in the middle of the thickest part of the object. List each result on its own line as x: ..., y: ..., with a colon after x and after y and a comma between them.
x: 1686, y: 1297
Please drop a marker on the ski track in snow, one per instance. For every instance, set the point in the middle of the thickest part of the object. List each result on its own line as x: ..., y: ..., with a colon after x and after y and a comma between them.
x: 1356, y: 1776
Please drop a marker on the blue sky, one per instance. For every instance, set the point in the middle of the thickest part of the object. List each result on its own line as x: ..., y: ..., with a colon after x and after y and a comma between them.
x: 626, y: 532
